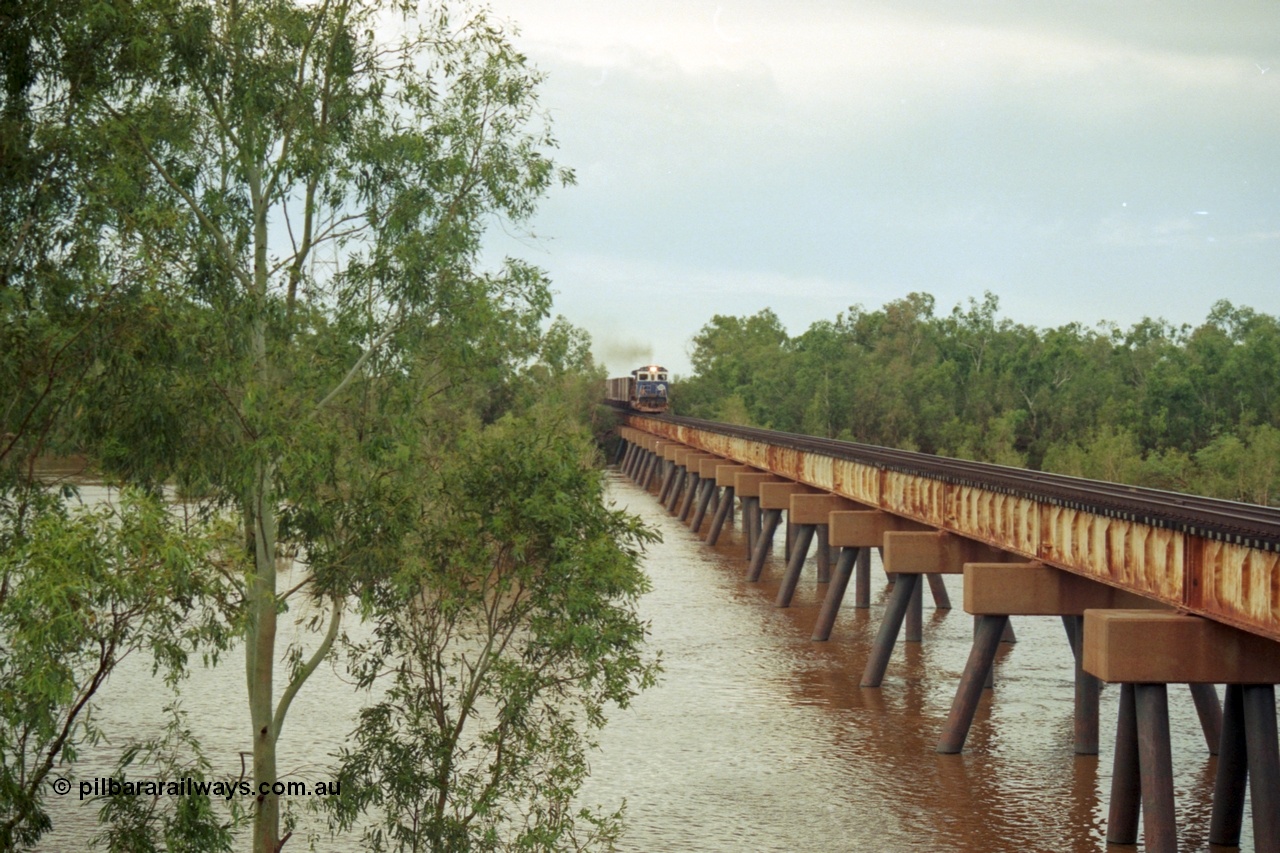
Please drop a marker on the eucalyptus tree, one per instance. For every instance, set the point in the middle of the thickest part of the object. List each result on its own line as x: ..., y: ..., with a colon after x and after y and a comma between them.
x: 506, y: 630
x: 298, y: 192
x: 80, y: 590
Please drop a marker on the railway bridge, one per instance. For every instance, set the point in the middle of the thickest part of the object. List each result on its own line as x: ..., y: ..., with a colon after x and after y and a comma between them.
x: 1153, y: 588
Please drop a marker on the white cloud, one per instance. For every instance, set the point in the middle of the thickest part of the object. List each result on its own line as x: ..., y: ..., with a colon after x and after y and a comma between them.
x: 653, y: 308
x: 740, y: 155
x: 854, y: 53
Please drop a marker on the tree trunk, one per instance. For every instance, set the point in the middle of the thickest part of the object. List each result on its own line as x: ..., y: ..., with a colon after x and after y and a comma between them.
x: 260, y: 668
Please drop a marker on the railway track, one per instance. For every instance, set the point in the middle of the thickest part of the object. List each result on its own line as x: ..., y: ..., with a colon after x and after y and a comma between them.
x: 1249, y: 525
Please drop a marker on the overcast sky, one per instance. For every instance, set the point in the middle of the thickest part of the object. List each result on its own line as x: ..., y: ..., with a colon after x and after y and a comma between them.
x: 1083, y: 161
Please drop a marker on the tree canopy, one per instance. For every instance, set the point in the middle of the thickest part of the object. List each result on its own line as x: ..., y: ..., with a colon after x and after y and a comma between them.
x: 241, y: 269
x: 1189, y: 409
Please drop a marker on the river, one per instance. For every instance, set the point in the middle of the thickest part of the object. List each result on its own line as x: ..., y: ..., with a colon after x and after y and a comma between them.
x: 760, y: 739
x: 756, y: 738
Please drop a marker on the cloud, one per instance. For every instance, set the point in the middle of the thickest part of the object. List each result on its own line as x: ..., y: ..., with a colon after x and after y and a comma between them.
x: 653, y: 308
x: 740, y: 155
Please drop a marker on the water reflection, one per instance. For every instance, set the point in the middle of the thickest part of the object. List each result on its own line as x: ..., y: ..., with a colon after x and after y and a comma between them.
x: 760, y: 739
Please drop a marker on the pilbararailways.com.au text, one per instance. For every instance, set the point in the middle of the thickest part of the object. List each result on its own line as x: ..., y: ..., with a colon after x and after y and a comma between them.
x: 188, y: 787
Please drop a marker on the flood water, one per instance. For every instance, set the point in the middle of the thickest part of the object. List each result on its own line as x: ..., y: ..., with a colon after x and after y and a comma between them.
x: 756, y: 738
x: 760, y: 739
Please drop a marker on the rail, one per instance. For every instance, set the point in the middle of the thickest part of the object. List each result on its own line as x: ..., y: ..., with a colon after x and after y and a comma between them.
x: 1250, y: 525
x: 1214, y: 557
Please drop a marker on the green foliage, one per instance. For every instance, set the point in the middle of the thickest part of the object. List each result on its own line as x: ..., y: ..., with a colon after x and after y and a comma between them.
x: 79, y: 591
x: 1243, y: 468
x: 508, y: 628
x: 1173, y: 408
x: 178, y: 815
x: 241, y: 259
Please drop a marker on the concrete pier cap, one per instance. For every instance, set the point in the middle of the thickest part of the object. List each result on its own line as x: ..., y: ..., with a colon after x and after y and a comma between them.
x: 726, y: 473
x: 937, y: 552
x: 1164, y: 647
x: 867, y: 528
x: 817, y: 508
x: 1034, y: 589
x: 778, y: 495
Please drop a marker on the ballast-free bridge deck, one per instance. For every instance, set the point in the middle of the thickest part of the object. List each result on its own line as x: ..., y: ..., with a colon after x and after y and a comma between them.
x: 1153, y: 588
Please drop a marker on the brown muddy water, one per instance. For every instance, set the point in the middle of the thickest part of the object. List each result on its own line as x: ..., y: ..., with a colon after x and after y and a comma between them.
x: 758, y: 739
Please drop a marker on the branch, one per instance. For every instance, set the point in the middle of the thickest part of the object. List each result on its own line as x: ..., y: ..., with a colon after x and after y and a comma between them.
x: 51, y: 374
x: 206, y: 223
x: 355, y: 368
x: 308, y: 579
x: 295, y: 684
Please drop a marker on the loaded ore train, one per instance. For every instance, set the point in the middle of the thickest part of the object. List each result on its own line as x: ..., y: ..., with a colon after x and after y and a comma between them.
x: 647, y: 389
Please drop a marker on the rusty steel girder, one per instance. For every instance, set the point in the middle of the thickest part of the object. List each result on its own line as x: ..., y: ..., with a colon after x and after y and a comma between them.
x: 1212, y: 558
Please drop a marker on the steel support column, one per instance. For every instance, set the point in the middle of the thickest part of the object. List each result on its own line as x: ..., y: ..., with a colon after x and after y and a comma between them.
x: 708, y: 487
x: 982, y: 655
x: 824, y: 553
x: 1126, y: 778
x: 722, y: 513
x: 1264, y: 764
x: 1209, y: 710
x: 890, y: 626
x: 835, y: 592
x: 799, y: 552
x: 764, y: 543
x: 691, y: 488
x: 1231, y: 778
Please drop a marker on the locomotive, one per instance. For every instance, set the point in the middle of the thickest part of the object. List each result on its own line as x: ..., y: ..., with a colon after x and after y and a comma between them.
x: 645, y: 390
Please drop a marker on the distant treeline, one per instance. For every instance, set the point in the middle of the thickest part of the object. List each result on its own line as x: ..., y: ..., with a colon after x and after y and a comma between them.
x: 1170, y: 407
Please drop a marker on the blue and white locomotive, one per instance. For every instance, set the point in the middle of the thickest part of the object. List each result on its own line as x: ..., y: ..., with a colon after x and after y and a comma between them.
x: 647, y: 389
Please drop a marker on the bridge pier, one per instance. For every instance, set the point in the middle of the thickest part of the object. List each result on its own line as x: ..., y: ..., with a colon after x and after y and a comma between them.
x: 775, y: 499
x: 890, y: 625
x: 628, y: 457
x: 635, y: 462
x: 795, y: 563
x: 693, y: 484
x: 722, y: 514
x: 1190, y: 650
x: 688, y: 489
x: 677, y: 486
x: 850, y: 560
x: 725, y: 475
x: 645, y: 463
x: 703, y: 502
x: 856, y: 532
x: 671, y: 472
x: 764, y: 542
x: 644, y: 457
x: 822, y: 532
x: 682, y: 480
x: 1085, y: 728
x: 707, y: 476
x: 1030, y: 589
x: 809, y: 513
x: 908, y: 555
x: 655, y: 463
x: 747, y: 486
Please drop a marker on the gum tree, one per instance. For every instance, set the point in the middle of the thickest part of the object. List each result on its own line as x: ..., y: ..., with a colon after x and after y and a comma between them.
x: 298, y: 190
x: 507, y: 629
x: 80, y: 590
